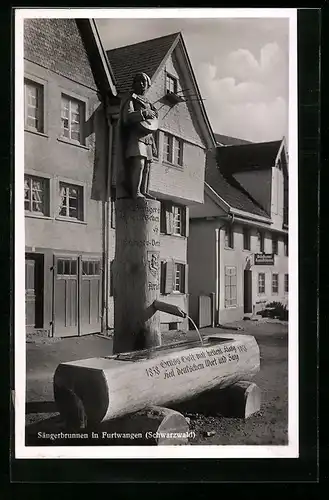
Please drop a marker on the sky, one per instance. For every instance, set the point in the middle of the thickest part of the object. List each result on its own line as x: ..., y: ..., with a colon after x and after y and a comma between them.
x: 241, y: 66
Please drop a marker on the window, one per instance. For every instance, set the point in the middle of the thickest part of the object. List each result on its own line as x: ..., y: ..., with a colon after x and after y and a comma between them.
x: 286, y: 283
x: 173, y: 219
x: 67, y: 267
x: 246, y: 238
x: 177, y: 219
x: 274, y: 244
x: 91, y: 268
x: 173, y: 149
x: 275, y: 283
x: 36, y: 195
x: 229, y: 237
x: 33, y: 106
x: 171, y: 84
x: 71, y: 201
x: 178, y: 151
x: 179, y: 278
x: 260, y: 244
x: 286, y: 248
x: 230, y: 286
x: 72, y: 119
x: 173, y: 277
x: 261, y: 282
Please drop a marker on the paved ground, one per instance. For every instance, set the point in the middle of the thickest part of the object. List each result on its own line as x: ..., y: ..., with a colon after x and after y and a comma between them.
x: 269, y: 426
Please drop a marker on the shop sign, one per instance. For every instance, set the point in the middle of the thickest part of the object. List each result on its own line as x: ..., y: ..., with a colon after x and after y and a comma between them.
x: 264, y: 259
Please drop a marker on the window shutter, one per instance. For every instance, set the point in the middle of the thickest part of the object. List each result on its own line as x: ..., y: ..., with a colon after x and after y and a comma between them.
x: 169, y: 280
x: 186, y: 221
x: 163, y: 225
x: 186, y: 278
x: 169, y: 218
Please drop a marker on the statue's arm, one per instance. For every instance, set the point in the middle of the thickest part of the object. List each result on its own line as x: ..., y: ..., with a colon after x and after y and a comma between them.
x: 130, y: 115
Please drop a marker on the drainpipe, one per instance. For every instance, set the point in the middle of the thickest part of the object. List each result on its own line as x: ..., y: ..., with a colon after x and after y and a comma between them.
x: 106, y: 219
x: 217, y: 267
x: 108, y: 202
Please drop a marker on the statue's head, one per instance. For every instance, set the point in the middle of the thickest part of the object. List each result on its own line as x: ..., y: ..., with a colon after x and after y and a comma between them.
x: 141, y: 83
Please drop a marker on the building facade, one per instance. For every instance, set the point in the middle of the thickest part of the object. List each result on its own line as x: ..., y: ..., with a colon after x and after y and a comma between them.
x: 238, y: 244
x: 66, y: 162
x: 177, y: 174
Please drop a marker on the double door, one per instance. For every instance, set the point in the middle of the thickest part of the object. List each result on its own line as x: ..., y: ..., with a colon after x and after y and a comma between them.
x: 76, y: 295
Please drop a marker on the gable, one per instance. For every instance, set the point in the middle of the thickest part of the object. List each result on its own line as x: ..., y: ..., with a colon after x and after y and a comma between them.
x: 56, y: 44
x: 144, y: 56
x: 178, y: 119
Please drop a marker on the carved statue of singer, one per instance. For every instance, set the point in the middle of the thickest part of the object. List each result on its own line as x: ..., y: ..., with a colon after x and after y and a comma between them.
x: 136, y: 147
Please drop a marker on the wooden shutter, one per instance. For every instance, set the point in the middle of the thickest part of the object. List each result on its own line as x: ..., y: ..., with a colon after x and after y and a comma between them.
x: 163, y: 217
x: 169, y: 281
x: 185, y: 221
x: 186, y: 278
x: 169, y: 218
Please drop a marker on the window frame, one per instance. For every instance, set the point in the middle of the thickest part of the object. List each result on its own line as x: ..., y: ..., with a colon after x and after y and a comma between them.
x: 263, y: 290
x: 277, y: 284
x: 174, y: 80
x: 47, y: 195
x: 169, y: 148
x: 41, y: 85
x: 231, y: 286
x: 167, y: 219
x: 178, y: 215
x: 83, y: 109
x: 83, y: 204
x: 181, y: 268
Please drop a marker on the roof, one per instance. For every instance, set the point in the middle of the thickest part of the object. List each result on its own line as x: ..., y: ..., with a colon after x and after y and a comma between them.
x: 235, y: 197
x: 225, y: 140
x: 143, y: 56
x: 246, y: 157
x: 102, y: 70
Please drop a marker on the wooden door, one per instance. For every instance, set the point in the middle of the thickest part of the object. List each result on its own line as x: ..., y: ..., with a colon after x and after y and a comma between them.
x: 205, y: 311
x: 90, y: 316
x: 66, y: 304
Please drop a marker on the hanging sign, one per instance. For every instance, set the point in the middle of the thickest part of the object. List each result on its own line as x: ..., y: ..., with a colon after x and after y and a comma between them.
x: 264, y: 259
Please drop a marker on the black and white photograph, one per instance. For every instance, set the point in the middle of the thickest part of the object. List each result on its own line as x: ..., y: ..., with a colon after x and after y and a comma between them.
x: 156, y: 252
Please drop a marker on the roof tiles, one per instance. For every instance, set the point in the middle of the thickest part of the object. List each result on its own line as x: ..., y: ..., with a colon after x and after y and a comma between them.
x: 143, y: 56
x: 253, y: 156
x: 234, y: 196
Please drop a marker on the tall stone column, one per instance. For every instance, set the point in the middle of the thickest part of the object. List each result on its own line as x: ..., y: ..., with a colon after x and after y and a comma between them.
x: 136, y: 275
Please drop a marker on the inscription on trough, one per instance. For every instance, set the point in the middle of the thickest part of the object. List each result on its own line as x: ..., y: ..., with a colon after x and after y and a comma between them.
x: 200, y: 360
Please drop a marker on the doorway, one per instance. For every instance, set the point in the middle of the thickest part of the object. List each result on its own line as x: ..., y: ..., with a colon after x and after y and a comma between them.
x: 247, y: 291
x: 34, y: 278
x: 77, y: 296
